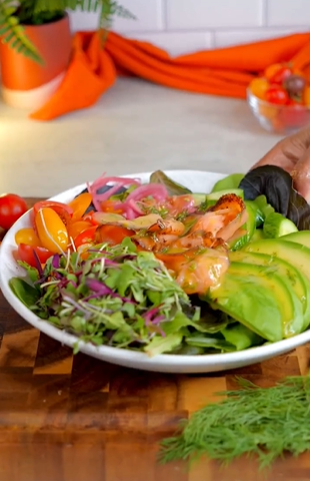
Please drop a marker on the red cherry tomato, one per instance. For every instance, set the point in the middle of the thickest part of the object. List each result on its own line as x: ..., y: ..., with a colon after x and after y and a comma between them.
x: 90, y: 218
x: 294, y: 116
x: 12, y: 207
x: 25, y: 254
x: 63, y: 210
x: 272, y: 70
x: 112, y: 234
x: 85, y: 237
x: 277, y: 95
x: 280, y: 75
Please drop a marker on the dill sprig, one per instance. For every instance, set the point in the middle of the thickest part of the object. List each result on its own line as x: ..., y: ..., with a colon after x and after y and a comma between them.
x: 266, y: 422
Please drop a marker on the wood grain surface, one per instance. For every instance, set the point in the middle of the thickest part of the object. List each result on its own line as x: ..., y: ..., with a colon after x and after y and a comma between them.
x: 74, y: 418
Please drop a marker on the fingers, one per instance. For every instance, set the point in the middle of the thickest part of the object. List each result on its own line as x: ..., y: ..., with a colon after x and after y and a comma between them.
x: 301, y: 175
x: 275, y: 156
x: 288, y: 151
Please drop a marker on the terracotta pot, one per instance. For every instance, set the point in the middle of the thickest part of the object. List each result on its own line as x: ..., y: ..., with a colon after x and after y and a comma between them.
x: 27, y: 84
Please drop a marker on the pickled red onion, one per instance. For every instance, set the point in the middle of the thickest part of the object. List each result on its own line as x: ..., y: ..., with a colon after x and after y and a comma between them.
x: 157, y: 191
x: 103, y: 181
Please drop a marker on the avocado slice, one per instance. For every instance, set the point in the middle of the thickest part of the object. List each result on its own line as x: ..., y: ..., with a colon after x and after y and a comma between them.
x: 301, y: 237
x: 290, y: 252
x: 249, y: 226
x: 257, y: 297
x: 294, y: 280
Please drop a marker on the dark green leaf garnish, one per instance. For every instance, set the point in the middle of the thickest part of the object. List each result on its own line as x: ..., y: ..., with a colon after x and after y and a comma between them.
x: 277, y: 186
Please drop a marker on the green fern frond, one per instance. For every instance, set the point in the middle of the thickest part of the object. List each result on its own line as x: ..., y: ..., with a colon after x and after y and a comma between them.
x: 13, y: 13
x: 13, y: 33
x: 109, y: 9
x: 53, y: 5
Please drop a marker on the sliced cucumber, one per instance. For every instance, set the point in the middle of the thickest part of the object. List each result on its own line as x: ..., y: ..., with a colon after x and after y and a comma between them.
x: 232, y: 181
x: 276, y: 225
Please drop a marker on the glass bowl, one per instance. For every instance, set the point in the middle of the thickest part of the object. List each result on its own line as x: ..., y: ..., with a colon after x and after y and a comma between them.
x: 279, y: 119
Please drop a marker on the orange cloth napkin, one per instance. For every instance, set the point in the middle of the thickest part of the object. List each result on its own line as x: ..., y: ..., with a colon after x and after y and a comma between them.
x: 225, y: 71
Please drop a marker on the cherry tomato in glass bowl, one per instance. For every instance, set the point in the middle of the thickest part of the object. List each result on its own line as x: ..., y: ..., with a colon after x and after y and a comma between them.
x: 277, y: 73
x: 12, y: 207
x: 306, y: 96
x: 271, y: 70
x: 258, y: 87
x: 277, y: 95
x: 280, y: 76
x: 296, y: 115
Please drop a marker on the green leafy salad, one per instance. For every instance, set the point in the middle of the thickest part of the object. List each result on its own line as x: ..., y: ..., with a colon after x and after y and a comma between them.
x: 229, y: 271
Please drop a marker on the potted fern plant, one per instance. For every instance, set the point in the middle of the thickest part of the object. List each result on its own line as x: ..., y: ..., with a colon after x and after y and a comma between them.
x: 36, y: 44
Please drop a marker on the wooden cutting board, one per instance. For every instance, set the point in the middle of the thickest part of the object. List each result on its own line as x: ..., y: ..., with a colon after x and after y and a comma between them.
x: 74, y: 418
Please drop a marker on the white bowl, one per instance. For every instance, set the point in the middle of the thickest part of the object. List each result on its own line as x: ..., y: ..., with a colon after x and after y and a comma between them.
x: 198, y: 182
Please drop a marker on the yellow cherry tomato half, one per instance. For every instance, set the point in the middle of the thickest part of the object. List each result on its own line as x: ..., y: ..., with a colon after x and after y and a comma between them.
x: 80, y: 204
x: 27, y: 236
x: 258, y: 87
x: 51, y: 230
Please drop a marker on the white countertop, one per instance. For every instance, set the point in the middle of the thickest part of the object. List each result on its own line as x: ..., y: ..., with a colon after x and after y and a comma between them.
x: 135, y: 127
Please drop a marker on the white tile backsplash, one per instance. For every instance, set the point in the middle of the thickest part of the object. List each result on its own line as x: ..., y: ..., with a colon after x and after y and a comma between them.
x: 198, y: 14
x: 184, y: 26
x: 288, y: 12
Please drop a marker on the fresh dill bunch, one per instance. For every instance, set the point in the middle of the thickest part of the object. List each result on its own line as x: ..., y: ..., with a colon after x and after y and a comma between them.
x: 266, y: 422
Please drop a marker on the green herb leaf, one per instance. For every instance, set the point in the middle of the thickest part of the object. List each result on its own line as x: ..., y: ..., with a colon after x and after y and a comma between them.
x: 26, y: 293
x: 266, y: 422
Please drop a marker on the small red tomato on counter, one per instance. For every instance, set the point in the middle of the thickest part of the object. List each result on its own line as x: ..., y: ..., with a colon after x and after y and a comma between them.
x: 12, y: 207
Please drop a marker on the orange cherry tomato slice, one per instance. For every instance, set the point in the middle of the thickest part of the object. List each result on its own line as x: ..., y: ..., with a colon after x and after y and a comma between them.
x: 80, y: 204
x: 77, y: 227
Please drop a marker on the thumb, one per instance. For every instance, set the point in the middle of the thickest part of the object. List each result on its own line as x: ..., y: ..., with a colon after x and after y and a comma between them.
x: 301, y: 175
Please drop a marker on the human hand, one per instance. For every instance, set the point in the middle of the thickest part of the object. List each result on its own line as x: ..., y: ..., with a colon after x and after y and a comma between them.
x: 293, y: 155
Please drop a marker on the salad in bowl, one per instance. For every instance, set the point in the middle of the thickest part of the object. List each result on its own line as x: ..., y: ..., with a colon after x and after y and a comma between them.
x: 147, y: 272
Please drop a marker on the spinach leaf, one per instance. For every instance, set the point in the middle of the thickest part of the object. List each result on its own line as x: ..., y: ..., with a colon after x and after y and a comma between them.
x: 277, y: 186
x: 26, y: 293
x: 173, y: 188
